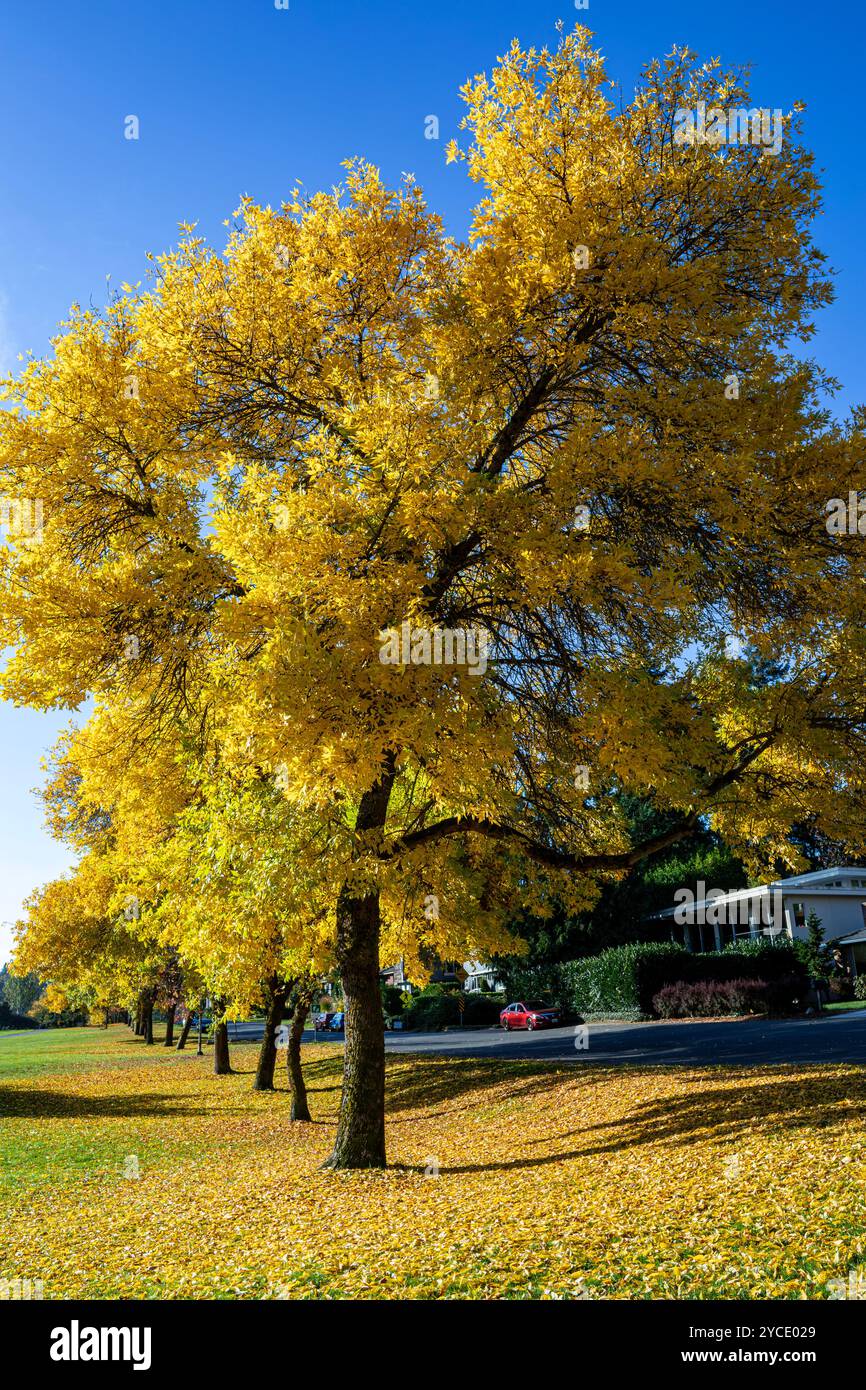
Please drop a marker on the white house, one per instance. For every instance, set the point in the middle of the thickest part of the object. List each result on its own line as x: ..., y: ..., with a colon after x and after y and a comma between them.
x: 478, y: 971
x: 709, y: 920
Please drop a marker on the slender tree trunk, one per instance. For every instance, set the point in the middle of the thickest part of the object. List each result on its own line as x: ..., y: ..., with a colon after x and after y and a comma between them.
x: 169, y: 1025
x: 148, y: 1020
x: 221, y: 1060
x: 184, y: 1032
x: 199, y: 1052
x: 300, y: 1108
x: 264, y: 1077
x: 139, y: 1016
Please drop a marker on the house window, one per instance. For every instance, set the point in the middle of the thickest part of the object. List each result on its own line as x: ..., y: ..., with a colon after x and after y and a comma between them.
x: 798, y: 911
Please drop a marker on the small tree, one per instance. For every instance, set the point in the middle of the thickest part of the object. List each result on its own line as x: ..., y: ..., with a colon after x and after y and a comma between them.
x: 813, y: 952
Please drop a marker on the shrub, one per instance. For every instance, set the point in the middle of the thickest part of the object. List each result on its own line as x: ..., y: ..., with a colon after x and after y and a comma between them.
x: 11, y: 1020
x: 839, y: 988
x: 710, y: 998
x: 624, y: 977
x: 436, y: 1007
x: 530, y: 982
x: 786, y: 994
x: 432, y: 1008
x: 392, y: 998
x: 629, y: 977
x: 860, y: 987
x: 624, y: 980
x: 483, y: 1008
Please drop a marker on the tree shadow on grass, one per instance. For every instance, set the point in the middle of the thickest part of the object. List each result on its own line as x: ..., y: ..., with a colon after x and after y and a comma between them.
x: 323, y: 1069
x: 410, y: 1087
x: 56, y: 1105
x: 801, y: 1101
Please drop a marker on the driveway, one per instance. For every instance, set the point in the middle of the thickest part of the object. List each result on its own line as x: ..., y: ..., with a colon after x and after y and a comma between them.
x: 749, y: 1042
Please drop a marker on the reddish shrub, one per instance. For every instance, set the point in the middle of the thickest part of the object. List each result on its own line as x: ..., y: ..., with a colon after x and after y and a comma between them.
x: 710, y: 998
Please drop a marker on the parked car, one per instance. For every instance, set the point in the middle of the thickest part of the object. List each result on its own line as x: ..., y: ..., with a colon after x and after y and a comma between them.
x: 529, y: 1016
x: 338, y: 1022
x: 322, y: 1022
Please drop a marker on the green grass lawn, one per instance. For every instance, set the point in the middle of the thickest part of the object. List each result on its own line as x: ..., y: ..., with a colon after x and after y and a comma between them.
x: 129, y: 1171
x: 32, y: 1052
x: 844, y: 1008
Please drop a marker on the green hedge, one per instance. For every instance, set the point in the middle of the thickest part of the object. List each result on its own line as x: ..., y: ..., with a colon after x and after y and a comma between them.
x: 624, y: 980
x: 11, y: 1020
x: 436, y: 1007
x: 528, y: 983
x: 631, y: 976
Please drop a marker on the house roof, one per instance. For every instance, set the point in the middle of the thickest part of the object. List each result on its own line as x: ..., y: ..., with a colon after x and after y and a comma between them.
x: 818, y: 882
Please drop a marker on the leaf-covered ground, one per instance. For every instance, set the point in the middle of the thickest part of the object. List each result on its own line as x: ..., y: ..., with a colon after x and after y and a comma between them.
x: 552, y: 1182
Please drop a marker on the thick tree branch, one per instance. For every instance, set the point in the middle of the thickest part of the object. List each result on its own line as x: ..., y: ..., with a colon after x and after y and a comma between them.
x: 539, y: 852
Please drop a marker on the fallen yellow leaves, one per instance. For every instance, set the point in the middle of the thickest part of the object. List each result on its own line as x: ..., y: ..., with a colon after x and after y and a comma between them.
x: 552, y: 1183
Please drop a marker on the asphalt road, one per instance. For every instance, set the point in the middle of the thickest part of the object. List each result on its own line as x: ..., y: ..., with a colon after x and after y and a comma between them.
x: 756, y: 1042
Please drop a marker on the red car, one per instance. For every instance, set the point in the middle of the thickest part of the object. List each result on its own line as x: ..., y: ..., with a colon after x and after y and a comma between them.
x: 529, y: 1016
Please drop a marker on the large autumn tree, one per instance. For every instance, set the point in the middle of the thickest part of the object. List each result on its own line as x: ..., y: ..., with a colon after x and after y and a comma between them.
x: 580, y: 433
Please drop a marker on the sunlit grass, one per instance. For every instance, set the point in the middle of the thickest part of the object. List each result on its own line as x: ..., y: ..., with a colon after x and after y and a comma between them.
x: 553, y: 1181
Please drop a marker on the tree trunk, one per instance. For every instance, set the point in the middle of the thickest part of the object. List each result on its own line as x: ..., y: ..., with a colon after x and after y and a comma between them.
x: 300, y: 1108
x: 360, y: 1141
x: 264, y: 1077
x: 169, y: 1025
x: 221, y: 1061
x: 148, y: 1020
x: 184, y: 1032
x: 139, y: 1016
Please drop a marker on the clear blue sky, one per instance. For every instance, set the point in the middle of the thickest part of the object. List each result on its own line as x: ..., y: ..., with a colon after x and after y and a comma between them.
x: 236, y: 96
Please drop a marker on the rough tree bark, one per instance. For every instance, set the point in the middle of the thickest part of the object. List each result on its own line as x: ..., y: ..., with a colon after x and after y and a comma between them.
x: 300, y: 1108
x: 169, y: 1025
x: 221, y: 1060
x: 264, y: 1077
x: 360, y: 1141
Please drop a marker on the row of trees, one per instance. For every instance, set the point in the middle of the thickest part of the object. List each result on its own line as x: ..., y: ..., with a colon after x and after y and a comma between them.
x: 581, y: 433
